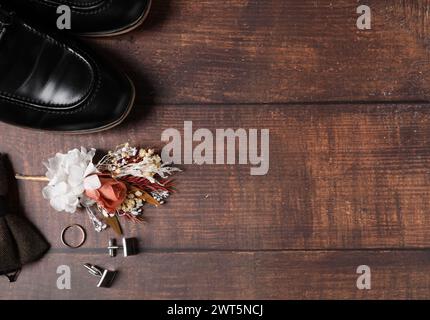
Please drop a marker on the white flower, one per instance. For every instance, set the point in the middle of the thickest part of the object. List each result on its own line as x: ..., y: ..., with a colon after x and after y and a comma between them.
x: 69, y: 176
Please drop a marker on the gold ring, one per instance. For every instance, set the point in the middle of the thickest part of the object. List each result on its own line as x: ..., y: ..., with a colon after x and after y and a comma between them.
x: 63, y: 236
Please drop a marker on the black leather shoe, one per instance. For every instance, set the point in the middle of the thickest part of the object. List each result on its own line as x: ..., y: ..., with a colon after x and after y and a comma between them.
x: 88, y: 17
x: 50, y: 83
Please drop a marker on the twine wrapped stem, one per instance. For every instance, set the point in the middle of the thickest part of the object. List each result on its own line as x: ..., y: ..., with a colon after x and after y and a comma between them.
x: 31, y: 178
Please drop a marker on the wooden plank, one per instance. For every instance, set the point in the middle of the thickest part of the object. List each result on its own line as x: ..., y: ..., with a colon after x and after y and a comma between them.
x: 231, y: 275
x: 341, y: 176
x: 276, y: 51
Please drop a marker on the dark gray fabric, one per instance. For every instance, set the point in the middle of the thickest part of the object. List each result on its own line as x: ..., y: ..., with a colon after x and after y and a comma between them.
x: 20, y: 242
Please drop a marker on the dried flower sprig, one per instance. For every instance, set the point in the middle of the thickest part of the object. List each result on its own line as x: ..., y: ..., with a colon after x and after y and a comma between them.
x: 129, y: 161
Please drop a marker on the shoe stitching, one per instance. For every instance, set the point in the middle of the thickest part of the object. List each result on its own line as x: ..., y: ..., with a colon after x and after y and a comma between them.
x: 50, y: 111
x: 92, y: 92
x: 104, y: 7
x: 77, y: 3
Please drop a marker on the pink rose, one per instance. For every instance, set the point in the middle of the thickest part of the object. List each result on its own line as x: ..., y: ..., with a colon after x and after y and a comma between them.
x: 110, y: 195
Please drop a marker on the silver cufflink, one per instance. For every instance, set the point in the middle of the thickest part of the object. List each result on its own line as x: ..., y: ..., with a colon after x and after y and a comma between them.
x: 106, y: 276
x: 129, y: 247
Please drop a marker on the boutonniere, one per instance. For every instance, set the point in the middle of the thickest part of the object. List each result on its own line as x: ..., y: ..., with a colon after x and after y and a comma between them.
x: 118, y: 186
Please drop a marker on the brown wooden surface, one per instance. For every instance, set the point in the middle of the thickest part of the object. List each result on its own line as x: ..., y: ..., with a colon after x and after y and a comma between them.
x: 349, y: 156
x: 232, y: 275
x: 276, y: 51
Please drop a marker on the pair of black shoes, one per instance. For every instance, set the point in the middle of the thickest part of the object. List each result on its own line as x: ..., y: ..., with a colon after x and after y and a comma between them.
x: 48, y: 81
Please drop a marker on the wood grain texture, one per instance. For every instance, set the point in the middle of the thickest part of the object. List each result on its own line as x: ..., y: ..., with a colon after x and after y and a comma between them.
x: 346, y: 176
x: 231, y: 275
x: 276, y: 51
x: 349, y: 155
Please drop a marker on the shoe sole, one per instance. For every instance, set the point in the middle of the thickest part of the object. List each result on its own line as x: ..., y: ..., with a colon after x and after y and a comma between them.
x: 131, y: 27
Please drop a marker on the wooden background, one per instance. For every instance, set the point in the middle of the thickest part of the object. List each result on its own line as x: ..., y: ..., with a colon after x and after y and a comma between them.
x: 349, y: 179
